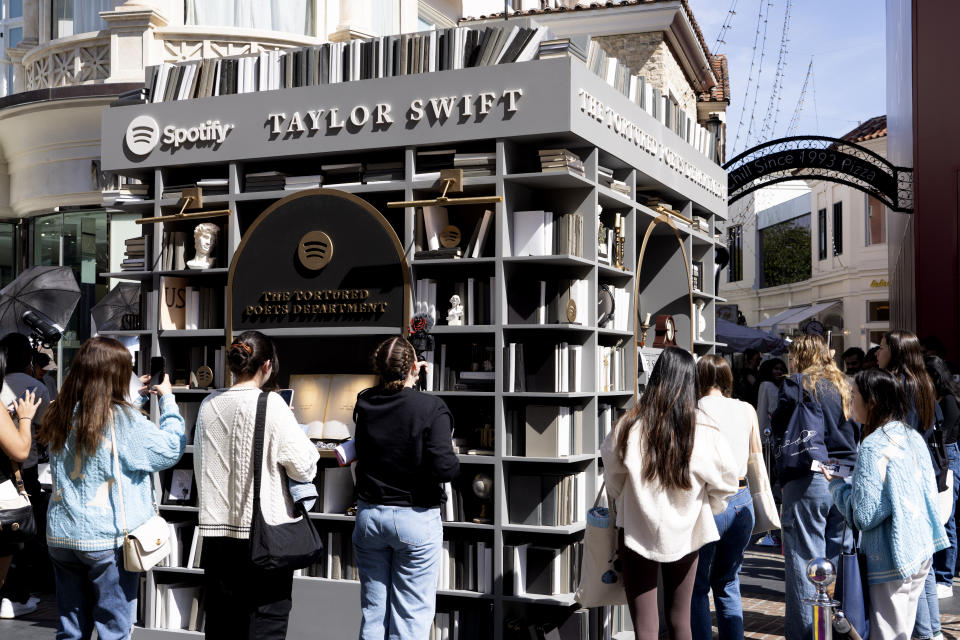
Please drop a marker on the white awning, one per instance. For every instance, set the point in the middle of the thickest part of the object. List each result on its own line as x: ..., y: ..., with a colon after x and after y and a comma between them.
x: 794, y: 315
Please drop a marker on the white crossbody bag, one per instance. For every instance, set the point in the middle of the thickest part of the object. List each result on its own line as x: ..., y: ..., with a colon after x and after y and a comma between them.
x: 148, y: 544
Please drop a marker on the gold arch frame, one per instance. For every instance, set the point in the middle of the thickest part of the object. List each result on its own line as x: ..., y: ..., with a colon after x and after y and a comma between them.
x: 665, y: 219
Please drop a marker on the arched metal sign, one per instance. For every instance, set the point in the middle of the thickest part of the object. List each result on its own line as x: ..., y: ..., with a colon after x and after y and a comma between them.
x: 820, y: 158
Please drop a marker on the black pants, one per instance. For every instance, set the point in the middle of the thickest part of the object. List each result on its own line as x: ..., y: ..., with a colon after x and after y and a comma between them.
x: 31, y: 571
x: 242, y: 600
x: 640, y: 578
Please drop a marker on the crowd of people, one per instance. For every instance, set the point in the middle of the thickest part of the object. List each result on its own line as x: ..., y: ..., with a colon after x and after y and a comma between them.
x: 675, y: 466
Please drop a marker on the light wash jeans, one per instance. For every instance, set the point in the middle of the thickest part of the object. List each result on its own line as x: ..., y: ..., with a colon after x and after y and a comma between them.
x: 93, y: 590
x: 945, y: 561
x: 397, y: 550
x: 719, y: 568
x: 812, y: 528
x: 928, y: 609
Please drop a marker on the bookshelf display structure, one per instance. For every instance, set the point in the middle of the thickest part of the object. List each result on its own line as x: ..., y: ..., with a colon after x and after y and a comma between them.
x: 555, y: 138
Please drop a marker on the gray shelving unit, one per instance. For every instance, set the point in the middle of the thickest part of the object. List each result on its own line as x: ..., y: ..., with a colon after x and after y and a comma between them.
x: 663, y: 288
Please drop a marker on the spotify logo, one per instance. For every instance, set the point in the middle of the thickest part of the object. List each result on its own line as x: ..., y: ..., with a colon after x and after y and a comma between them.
x: 143, y: 134
x: 315, y: 250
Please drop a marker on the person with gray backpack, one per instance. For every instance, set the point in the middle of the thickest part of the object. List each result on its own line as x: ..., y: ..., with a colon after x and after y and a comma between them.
x: 811, y: 425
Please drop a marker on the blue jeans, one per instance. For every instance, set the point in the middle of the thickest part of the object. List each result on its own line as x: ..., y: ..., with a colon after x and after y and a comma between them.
x: 945, y: 561
x: 928, y: 609
x: 93, y: 590
x: 719, y: 568
x: 397, y: 550
x: 812, y: 528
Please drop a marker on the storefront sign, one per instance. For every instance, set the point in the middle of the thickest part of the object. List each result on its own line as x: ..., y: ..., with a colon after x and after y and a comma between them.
x: 634, y: 133
x: 319, y: 258
x: 879, y: 284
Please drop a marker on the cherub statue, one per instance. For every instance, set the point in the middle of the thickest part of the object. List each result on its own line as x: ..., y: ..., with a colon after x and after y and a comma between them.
x: 455, y: 314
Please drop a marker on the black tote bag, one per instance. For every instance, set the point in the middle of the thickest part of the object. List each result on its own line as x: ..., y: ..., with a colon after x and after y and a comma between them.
x: 852, y: 589
x: 294, y: 545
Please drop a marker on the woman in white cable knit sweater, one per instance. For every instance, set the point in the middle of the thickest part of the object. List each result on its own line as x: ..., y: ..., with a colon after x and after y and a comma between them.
x: 669, y: 471
x: 242, y: 600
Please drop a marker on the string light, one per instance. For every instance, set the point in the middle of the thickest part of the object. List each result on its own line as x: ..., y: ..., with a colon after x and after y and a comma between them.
x: 776, y: 93
x: 795, y: 118
x: 746, y: 91
x: 756, y: 88
x: 727, y: 25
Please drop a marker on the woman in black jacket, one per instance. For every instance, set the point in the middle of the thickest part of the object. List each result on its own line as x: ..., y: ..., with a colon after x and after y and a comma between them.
x: 404, y: 455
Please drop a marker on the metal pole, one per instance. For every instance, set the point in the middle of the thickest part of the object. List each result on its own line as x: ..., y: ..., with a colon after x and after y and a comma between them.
x: 821, y: 573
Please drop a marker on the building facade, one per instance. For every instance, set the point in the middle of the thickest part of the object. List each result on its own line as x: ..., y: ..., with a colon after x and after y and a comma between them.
x: 845, y: 287
x: 66, y: 60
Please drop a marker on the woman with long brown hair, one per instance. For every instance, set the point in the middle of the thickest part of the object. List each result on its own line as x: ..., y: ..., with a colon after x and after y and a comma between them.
x: 902, y: 355
x: 812, y: 526
x: 84, y: 531
x: 670, y: 470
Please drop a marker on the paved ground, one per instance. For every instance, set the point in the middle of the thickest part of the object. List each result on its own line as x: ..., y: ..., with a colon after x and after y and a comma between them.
x: 762, y: 588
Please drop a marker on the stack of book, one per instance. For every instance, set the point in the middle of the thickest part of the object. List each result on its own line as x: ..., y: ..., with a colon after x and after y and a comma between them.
x: 475, y: 164
x: 296, y: 183
x: 541, y: 570
x: 560, y: 161
x: 128, y: 192
x: 214, y: 186
x: 544, y: 431
x: 134, y: 254
x: 613, y: 369
x: 547, y: 500
x: 431, y: 161
x: 343, y: 173
x: 574, y: 46
x: 265, y: 181
x: 179, y: 606
x: 382, y: 172
x: 606, y: 178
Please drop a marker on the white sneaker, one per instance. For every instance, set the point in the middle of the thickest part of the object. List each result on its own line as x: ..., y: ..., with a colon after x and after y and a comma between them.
x: 10, y: 609
x: 944, y: 591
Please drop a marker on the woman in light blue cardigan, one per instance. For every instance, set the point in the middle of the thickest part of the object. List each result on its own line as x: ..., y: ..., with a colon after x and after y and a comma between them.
x: 85, y: 528
x: 892, y: 499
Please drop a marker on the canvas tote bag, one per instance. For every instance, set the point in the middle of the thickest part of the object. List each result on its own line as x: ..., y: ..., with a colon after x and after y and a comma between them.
x: 601, y: 582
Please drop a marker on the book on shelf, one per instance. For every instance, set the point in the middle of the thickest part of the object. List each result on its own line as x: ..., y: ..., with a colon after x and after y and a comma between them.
x: 337, y: 562
x: 324, y: 403
x: 548, y: 500
x: 607, y: 416
x: 540, y: 368
x: 560, y: 161
x: 541, y: 570
x: 181, y: 536
x: 613, y: 368
x: 173, y: 249
x: 179, y: 606
x: 466, y: 565
x: 540, y: 233
x: 431, y: 221
x: 295, y: 183
x: 189, y: 412
x: 542, y: 302
x: 188, y: 307
x: 265, y: 181
x: 573, y: 46
x: 335, y: 488
x: 551, y: 431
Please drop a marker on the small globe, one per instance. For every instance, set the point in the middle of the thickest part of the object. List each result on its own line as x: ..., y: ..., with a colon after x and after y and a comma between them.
x: 482, y: 486
x: 821, y: 572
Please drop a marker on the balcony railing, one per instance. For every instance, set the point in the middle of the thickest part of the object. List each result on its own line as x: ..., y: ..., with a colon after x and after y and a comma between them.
x: 79, y: 59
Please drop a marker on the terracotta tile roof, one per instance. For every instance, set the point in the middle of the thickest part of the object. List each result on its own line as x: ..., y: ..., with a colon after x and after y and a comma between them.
x: 720, y: 91
x: 871, y: 129
x: 609, y: 4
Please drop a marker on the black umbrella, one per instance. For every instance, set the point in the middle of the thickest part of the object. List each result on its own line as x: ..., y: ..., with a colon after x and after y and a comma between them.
x: 119, y: 309
x: 52, y: 292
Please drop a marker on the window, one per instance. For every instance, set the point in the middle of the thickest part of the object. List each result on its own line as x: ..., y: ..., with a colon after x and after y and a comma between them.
x: 68, y: 17
x: 822, y: 234
x: 288, y: 16
x: 875, y: 221
x: 735, y: 246
x: 785, y: 252
x: 16, y: 9
x: 878, y: 311
x: 837, y: 228
x: 11, y: 33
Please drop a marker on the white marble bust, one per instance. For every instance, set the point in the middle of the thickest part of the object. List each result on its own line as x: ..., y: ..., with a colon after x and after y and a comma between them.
x: 455, y: 314
x: 204, y: 241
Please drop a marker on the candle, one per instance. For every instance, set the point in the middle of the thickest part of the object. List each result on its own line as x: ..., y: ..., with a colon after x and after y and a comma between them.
x: 647, y: 320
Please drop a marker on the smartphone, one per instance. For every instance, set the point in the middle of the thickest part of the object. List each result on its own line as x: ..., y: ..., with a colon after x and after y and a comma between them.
x: 157, y: 367
x: 287, y: 395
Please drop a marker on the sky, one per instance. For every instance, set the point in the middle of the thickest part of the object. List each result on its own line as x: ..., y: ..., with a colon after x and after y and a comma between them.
x: 846, y: 39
